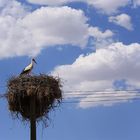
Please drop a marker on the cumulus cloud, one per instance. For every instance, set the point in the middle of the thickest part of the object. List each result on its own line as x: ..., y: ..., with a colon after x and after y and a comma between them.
x: 122, y: 20
x: 26, y: 33
x: 98, y: 34
x: 98, y: 72
x: 3, y: 3
x: 13, y: 8
x: 51, y: 26
x: 108, y: 6
x: 105, y: 6
x: 101, y: 38
x: 50, y: 2
x: 23, y: 32
x: 11, y: 34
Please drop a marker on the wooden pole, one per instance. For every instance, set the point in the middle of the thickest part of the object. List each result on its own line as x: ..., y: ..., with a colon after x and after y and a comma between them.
x: 32, y: 119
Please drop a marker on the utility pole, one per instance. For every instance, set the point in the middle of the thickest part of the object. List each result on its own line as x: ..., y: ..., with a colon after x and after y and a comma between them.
x: 32, y: 118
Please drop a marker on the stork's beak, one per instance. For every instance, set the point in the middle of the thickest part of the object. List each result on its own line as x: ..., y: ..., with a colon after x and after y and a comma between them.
x: 34, y: 61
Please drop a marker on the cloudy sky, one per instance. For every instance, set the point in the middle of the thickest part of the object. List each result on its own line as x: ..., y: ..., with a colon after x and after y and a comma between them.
x: 94, y: 47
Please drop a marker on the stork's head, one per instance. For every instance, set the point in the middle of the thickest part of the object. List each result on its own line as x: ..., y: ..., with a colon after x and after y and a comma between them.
x: 34, y: 60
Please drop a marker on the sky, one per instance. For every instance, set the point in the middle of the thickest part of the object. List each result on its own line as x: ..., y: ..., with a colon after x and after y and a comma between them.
x: 94, y: 47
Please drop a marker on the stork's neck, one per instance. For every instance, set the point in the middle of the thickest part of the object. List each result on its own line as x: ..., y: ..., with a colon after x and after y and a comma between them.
x: 32, y: 62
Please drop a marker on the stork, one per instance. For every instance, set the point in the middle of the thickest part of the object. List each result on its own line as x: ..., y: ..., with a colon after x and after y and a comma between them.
x: 29, y: 68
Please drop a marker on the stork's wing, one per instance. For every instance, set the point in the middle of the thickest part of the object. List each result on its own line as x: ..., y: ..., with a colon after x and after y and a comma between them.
x: 23, y: 72
x: 26, y: 69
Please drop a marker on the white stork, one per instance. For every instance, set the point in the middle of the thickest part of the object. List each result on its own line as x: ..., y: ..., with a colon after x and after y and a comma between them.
x: 29, y: 68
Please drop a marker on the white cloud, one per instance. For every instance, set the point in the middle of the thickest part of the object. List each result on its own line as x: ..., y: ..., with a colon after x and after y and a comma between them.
x: 13, y: 8
x: 101, y: 38
x: 122, y: 20
x: 106, y: 6
x: 52, y: 26
x: 27, y: 33
x: 12, y: 40
x: 23, y: 32
x: 3, y: 3
x: 49, y: 2
x: 98, y: 71
x: 98, y: 34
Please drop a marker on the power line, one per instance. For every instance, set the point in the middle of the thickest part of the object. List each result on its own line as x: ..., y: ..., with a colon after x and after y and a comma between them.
x: 100, y: 97
x: 99, y: 93
x: 72, y: 95
x: 105, y: 96
x: 96, y: 91
x: 93, y: 101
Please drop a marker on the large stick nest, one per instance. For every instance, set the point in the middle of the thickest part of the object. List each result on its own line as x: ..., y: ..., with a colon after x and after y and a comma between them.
x: 46, y: 90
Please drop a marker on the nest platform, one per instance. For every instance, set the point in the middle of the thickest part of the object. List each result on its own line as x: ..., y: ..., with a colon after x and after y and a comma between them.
x: 46, y: 91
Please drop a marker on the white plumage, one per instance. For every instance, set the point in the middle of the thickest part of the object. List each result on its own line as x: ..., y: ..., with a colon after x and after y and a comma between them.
x: 29, y: 68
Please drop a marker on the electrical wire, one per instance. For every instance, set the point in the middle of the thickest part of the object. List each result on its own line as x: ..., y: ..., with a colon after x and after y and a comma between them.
x: 105, y: 96
x: 111, y: 97
x: 100, y: 101
x: 89, y: 91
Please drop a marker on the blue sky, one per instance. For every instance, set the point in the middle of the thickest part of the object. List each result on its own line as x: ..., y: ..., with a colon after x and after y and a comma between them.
x: 92, y: 45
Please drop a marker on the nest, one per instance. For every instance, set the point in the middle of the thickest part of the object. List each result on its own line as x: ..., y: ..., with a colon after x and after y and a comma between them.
x: 46, y: 90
